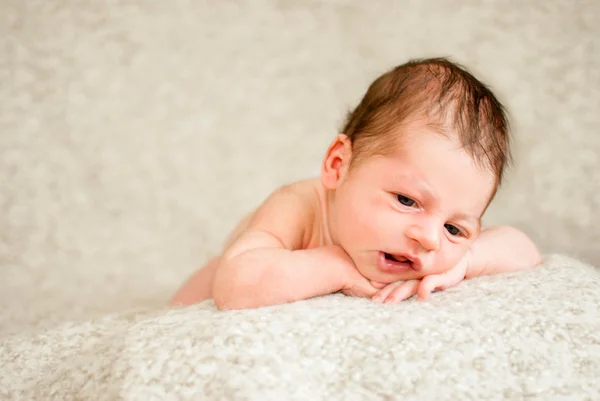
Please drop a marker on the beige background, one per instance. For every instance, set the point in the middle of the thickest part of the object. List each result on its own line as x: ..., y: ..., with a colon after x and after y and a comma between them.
x: 134, y: 134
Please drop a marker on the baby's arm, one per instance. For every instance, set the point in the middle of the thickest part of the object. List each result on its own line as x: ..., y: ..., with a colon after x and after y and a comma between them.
x: 259, y: 271
x: 502, y: 249
x: 198, y: 287
x: 266, y: 265
x: 499, y: 249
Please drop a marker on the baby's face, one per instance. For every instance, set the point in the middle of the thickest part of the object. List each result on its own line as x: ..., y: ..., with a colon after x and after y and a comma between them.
x: 414, y: 213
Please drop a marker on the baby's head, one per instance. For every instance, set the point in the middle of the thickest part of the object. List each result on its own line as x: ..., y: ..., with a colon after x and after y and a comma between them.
x: 417, y: 164
x: 445, y: 97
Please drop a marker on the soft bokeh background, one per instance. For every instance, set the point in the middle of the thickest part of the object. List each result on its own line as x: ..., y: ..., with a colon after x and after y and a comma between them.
x: 133, y: 134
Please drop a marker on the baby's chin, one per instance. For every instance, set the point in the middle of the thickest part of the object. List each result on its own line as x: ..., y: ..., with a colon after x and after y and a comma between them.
x: 378, y: 278
x: 378, y: 284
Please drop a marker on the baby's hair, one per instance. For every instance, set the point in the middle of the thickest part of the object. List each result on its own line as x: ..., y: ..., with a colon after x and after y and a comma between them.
x: 447, y: 97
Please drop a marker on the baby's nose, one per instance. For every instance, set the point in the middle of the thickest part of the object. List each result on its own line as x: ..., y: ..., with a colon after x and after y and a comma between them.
x: 426, y: 235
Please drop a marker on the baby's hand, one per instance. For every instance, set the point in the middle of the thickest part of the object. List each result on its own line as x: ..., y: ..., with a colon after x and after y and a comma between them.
x: 397, y: 292
x: 401, y: 290
x: 357, y: 285
x: 354, y: 283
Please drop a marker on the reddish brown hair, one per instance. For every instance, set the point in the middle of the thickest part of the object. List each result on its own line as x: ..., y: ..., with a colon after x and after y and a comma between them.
x: 448, y: 96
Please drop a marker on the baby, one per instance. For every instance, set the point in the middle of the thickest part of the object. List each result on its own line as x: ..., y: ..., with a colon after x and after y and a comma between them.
x: 396, y: 211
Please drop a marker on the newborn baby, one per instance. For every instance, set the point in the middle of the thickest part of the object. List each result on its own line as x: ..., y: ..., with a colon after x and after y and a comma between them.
x: 396, y: 210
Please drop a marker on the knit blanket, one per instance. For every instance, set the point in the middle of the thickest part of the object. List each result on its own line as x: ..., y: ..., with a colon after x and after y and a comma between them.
x: 533, y: 335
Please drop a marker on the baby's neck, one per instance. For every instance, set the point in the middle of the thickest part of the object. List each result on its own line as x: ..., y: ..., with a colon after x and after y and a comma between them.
x: 324, y: 198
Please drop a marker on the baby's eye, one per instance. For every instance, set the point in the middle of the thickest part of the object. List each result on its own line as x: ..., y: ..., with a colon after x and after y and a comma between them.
x: 453, y: 230
x: 406, y: 201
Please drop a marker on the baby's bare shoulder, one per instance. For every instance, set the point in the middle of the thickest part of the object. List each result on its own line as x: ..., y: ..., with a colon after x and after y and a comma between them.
x: 296, y: 200
x: 305, y: 192
x: 289, y: 213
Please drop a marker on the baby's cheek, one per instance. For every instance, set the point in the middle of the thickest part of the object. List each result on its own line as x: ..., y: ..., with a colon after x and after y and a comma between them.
x: 363, y: 224
x: 447, y: 261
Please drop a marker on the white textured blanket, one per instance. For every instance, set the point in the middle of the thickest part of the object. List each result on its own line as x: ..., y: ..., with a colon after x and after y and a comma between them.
x: 532, y: 335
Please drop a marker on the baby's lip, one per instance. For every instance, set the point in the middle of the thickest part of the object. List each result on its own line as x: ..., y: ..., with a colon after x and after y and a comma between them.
x: 397, y: 263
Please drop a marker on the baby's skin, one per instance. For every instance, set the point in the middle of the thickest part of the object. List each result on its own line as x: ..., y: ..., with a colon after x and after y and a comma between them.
x: 385, y: 228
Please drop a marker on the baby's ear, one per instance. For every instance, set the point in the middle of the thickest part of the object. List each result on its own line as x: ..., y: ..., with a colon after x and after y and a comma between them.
x: 336, y: 162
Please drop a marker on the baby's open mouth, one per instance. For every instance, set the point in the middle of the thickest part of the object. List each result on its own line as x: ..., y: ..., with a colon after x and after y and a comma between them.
x: 389, y: 256
x: 397, y: 263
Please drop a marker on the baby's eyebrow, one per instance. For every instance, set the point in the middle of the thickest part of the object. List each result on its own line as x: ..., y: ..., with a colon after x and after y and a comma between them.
x: 425, y: 189
x: 476, y: 221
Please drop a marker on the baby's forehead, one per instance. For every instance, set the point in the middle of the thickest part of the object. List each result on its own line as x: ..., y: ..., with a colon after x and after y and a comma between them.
x: 404, y: 136
x: 439, y: 166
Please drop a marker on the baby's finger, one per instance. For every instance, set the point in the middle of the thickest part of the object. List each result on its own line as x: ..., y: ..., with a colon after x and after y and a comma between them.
x: 402, y: 292
x: 442, y: 281
x: 428, y: 285
x: 383, y: 293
